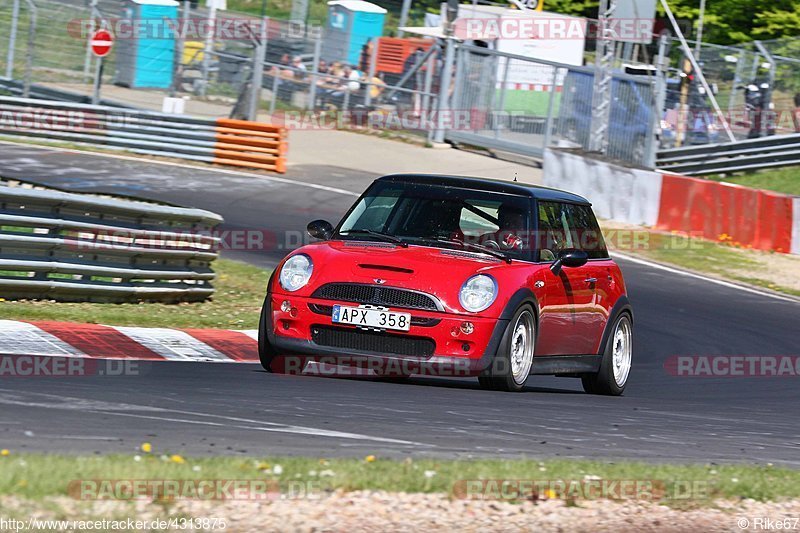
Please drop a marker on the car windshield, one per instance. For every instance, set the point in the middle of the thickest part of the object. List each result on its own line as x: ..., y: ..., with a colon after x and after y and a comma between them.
x: 440, y: 216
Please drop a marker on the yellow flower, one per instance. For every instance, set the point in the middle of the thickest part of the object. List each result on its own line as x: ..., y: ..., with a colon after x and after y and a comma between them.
x: 370, y: 458
x: 264, y: 466
x: 550, y: 494
x: 177, y: 459
x: 147, y: 447
x: 4, y: 453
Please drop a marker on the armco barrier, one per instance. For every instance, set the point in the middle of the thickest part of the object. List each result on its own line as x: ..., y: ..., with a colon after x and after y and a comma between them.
x: 616, y: 192
x: 223, y: 141
x: 77, y: 247
x: 763, y: 220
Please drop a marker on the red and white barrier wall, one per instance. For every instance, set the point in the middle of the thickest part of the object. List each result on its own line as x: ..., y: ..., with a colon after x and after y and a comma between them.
x: 763, y: 220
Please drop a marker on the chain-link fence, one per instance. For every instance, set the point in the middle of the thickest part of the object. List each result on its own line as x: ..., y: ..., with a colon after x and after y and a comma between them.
x: 523, y: 105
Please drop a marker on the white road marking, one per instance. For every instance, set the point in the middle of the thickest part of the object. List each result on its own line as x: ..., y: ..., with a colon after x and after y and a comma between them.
x: 9, y: 397
x: 701, y: 277
x: 21, y: 338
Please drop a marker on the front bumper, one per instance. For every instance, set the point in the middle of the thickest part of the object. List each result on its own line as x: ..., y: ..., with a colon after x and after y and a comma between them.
x: 435, y: 343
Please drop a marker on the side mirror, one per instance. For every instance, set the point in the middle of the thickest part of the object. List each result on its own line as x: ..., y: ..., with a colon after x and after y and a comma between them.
x: 320, y: 229
x: 569, y: 259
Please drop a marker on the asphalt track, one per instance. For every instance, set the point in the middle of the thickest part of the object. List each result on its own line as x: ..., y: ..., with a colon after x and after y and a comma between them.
x: 200, y: 408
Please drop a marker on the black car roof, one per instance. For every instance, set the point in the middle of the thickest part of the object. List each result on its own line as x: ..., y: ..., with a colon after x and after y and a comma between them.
x: 491, y: 185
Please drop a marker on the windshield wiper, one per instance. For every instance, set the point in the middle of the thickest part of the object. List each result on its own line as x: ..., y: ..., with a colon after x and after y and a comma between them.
x: 476, y: 248
x: 377, y: 234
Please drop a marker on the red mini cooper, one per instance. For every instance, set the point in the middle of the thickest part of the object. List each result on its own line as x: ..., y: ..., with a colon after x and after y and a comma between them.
x: 455, y: 276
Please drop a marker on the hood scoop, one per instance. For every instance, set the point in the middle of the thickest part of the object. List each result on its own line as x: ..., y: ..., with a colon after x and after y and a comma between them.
x: 386, y: 268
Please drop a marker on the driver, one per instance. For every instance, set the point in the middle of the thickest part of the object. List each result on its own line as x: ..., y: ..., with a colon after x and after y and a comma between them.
x: 511, y: 222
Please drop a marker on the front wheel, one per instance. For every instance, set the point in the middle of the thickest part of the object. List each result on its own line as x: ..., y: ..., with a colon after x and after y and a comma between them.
x: 616, y: 364
x: 511, y: 366
x: 271, y: 361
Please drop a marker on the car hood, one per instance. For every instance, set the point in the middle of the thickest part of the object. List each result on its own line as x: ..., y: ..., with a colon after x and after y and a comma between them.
x: 436, y: 271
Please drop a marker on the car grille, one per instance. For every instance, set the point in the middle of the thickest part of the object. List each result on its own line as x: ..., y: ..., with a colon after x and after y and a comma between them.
x: 420, y: 321
x: 377, y: 295
x: 372, y: 342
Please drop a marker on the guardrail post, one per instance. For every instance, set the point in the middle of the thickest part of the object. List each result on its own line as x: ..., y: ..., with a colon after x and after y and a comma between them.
x: 258, y: 71
x: 12, y: 40
x: 312, y: 87
x: 26, y: 91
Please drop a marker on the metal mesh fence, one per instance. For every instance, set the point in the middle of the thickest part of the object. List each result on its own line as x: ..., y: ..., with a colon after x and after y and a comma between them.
x: 523, y: 105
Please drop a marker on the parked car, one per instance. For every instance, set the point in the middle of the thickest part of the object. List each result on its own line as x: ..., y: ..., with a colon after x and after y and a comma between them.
x: 480, y: 277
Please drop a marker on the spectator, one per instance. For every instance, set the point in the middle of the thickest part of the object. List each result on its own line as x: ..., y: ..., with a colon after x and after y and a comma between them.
x: 299, y: 68
x: 322, y: 68
x: 377, y: 86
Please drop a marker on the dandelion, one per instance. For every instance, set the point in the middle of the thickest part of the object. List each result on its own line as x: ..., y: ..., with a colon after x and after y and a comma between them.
x: 550, y: 494
x: 430, y: 473
x: 277, y: 470
x: 592, y: 478
x: 137, y: 458
x: 196, y: 468
x: 327, y: 473
x: 370, y: 458
x: 263, y: 466
x: 734, y: 480
x: 4, y: 453
x: 177, y: 459
x: 146, y: 447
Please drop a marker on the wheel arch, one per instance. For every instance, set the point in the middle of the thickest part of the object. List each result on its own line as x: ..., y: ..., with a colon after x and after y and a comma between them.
x: 623, y: 306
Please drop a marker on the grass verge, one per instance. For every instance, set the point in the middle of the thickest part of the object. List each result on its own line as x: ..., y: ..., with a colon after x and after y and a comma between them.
x: 38, y: 476
x: 785, y: 180
x: 240, y: 290
x: 768, y: 270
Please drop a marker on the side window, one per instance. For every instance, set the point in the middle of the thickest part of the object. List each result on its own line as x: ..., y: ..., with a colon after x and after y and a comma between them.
x: 585, y: 230
x: 553, y: 235
x: 569, y: 226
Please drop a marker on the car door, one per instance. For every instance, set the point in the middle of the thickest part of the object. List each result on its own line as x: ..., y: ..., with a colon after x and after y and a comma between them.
x: 567, y: 325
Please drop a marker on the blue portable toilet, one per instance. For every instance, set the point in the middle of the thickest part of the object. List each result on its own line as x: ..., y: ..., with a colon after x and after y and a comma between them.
x: 351, y: 23
x: 146, y: 55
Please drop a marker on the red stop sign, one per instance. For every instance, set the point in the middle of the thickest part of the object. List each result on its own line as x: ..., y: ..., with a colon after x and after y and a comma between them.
x: 101, y: 42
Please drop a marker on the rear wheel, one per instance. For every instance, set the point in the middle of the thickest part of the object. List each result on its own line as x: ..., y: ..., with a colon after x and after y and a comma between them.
x: 511, y: 366
x: 616, y: 364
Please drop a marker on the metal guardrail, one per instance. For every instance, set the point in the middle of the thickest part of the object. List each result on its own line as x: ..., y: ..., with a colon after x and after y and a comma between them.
x: 754, y: 154
x: 76, y: 247
x: 222, y: 141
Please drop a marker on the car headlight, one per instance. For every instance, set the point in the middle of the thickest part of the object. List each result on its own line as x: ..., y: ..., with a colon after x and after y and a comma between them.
x: 296, y: 272
x: 478, y: 293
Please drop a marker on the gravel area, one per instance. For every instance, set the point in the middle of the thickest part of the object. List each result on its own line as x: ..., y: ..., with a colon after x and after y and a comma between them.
x: 382, y: 511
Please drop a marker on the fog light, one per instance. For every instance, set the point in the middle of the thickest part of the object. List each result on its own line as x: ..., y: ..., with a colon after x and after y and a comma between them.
x: 465, y: 347
x: 286, y: 306
x: 467, y: 328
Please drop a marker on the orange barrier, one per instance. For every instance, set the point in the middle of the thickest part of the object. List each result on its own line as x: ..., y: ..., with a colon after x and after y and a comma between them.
x: 250, y: 144
x: 393, y: 52
x: 722, y: 211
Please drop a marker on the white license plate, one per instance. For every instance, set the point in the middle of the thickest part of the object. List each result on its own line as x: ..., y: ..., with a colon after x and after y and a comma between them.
x: 371, y: 318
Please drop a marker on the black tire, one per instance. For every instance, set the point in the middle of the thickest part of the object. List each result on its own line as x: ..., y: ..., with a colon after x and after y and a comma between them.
x: 605, y: 382
x: 266, y: 353
x: 271, y: 361
x: 500, y: 375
